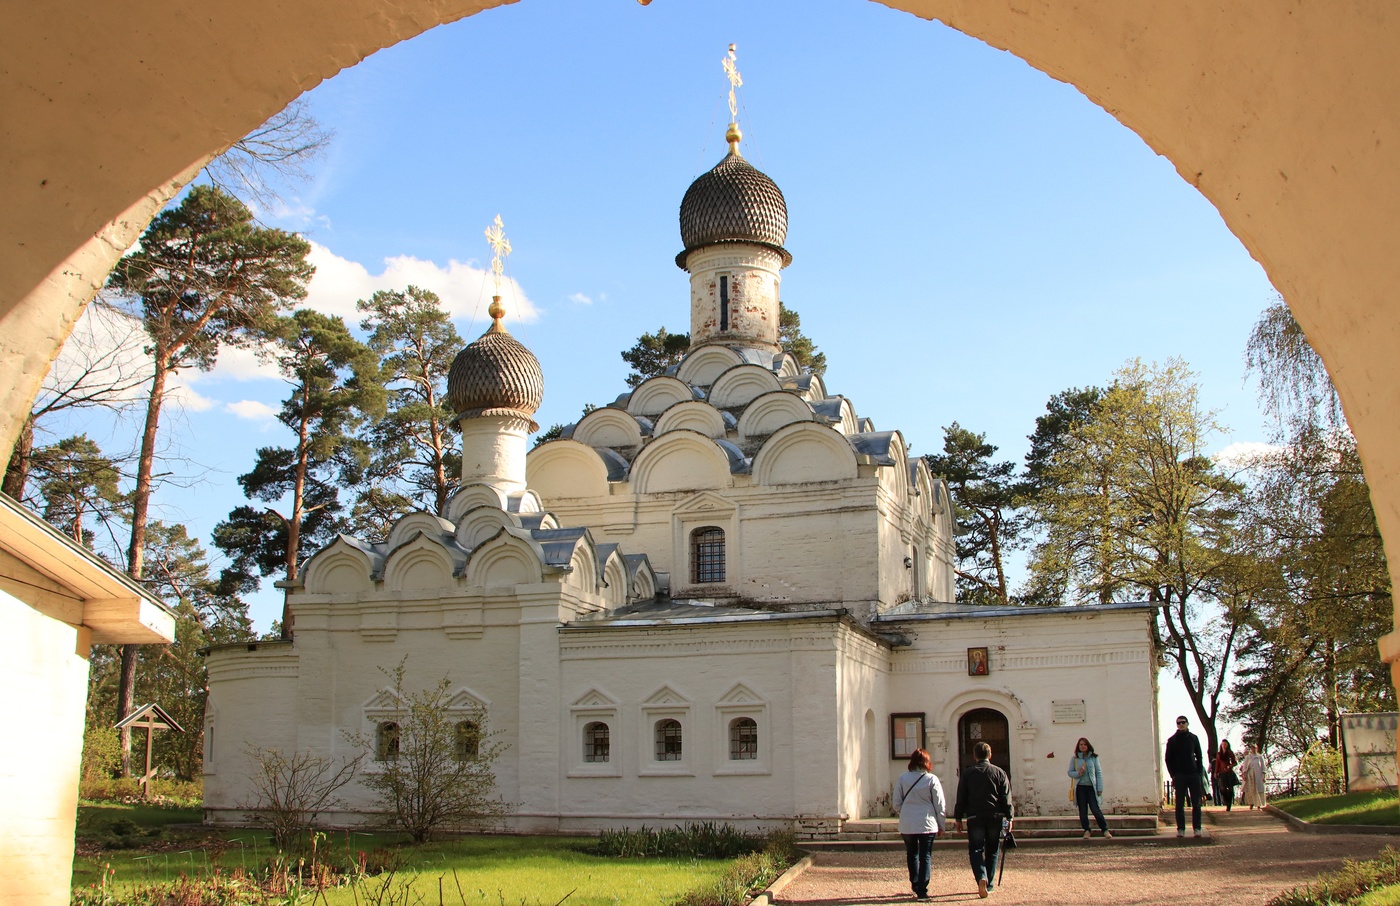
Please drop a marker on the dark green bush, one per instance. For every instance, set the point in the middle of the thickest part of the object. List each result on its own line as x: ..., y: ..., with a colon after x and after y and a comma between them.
x: 691, y: 841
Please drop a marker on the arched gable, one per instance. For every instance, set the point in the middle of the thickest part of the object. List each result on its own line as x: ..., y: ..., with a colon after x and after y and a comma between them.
x: 808, y: 386
x: 657, y: 394
x: 423, y: 563
x: 342, y: 567
x: 415, y: 522
x: 566, y: 468
x: 527, y: 501
x: 615, y: 575
x: 692, y: 415
x: 474, y: 495
x: 922, y: 482
x: 771, y: 411
x: 480, y: 523
x: 804, y: 453
x: 505, y: 560
x: 786, y: 367
x: 583, y: 567
x: 680, y: 461
x: 839, y: 412
x: 609, y: 427
x: 644, y: 580
x: 703, y: 365
x: 741, y: 385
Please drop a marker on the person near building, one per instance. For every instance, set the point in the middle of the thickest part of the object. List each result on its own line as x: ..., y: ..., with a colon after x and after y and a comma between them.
x: 984, y: 800
x: 1252, y: 774
x: 918, y: 799
x: 1225, y: 777
x: 1185, y: 765
x: 1084, y: 770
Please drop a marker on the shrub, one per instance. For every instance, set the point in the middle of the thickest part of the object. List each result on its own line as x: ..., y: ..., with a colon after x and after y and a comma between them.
x: 291, y: 791
x: 1320, y: 770
x: 1348, y: 883
x: 749, y: 874
x: 165, y: 793
x: 691, y: 841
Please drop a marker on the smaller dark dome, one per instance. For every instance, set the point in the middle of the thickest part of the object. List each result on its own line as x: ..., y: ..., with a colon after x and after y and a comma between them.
x: 733, y: 202
x: 495, y: 372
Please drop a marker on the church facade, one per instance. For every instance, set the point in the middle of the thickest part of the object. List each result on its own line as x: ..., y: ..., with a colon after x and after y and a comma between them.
x: 724, y: 597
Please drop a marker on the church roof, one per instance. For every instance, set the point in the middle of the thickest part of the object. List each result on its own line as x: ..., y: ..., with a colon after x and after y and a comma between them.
x: 947, y: 610
x: 733, y: 202
x: 496, y: 373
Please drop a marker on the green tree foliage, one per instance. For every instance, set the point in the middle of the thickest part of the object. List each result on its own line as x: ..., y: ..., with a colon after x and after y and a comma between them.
x: 203, y: 275
x: 335, y: 389
x: 77, y: 484
x: 413, y: 445
x: 1131, y: 508
x: 988, y: 521
x: 653, y: 353
x: 797, y: 344
x: 439, y: 773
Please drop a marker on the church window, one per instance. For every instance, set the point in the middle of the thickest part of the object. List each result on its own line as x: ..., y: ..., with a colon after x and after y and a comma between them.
x: 386, y: 742
x: 743, y: 739
x: 467, y: 742
x: 723, y: 303
x: 668, y: 740
x: 595, y: 742
x: 707, y: 555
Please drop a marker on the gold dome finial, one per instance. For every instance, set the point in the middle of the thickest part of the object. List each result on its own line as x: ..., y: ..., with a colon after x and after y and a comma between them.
x: 734, y: 136
x: 497, y: 311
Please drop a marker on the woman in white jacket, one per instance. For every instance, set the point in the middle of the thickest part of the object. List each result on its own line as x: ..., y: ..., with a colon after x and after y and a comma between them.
x: 918, y: 798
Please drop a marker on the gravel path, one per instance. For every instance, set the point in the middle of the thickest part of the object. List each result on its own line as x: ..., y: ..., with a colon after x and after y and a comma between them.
x: 1246, y: 860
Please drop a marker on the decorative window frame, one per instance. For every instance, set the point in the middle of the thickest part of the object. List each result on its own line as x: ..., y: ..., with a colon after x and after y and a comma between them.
x: 700, y: 511
x: 667, y: 703
x: 463, y: 704
x: 741, y: 701
x: 594, y: 706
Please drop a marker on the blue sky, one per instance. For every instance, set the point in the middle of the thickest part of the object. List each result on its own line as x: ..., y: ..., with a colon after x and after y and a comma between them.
x: 969, y: 236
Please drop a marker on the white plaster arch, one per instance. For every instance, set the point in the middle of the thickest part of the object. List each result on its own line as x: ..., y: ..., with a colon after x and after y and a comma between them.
x: 692, y: 415
x: 562, y: 469
x: 657, y: 394
x: 617, y: 589
x: 526, y: 501
x: 419, y: 564
x: 809, y: 386
x: 505, y: 560
x: 922, y: 482
x: 482, y: 522
x: 415, y: 522
x: 839, y: 408
x: 609, y: 427
x: 680, y: 461
x: 786, y: 367
x: 741, y: 385
x: 583, y: 568
x: 804, y: 452
x: 700, y: 367
x: 998, y: 698
x: 771, y: 411
x: 474, y: 495
x: 339, y: 568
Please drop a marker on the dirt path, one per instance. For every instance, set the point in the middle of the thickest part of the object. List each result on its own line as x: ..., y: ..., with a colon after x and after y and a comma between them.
x: 1246, y: 860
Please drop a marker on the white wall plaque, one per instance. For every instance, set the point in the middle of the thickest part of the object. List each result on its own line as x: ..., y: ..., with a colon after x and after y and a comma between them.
x: 1067, y: 711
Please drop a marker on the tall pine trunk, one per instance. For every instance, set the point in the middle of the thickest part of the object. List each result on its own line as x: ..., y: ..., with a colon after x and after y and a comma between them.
x: 17, y: 470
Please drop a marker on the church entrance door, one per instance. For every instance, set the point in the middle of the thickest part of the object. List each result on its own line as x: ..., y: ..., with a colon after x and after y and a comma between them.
x: 989, y: 726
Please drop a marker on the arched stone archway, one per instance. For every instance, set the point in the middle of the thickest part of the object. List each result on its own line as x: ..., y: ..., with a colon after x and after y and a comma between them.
x: 1281, y: 114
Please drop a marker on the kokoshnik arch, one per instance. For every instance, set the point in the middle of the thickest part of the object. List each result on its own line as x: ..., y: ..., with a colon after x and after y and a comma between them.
x: 1281, y: 113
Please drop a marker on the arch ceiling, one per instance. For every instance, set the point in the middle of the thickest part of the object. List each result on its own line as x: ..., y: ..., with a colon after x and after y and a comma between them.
x: 1282, y: 114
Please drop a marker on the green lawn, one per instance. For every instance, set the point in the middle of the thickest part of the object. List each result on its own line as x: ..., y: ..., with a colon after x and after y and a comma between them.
x: 1379, y: 807
x: 494, y: 870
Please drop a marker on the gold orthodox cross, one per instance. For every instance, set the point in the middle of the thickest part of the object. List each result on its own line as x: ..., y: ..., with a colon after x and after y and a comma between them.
x: 731, y: 72
x: 500, y: 248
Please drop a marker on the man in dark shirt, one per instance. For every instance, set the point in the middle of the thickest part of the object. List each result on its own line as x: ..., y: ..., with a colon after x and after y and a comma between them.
x: 1185, y: 766
x: 984, y: 799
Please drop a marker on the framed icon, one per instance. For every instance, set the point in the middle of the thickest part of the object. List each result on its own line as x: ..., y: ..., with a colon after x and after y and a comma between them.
x: 977, y: 662
x: 906, y: 734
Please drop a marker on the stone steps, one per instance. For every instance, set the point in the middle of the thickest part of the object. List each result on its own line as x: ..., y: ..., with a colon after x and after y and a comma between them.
x: 1031, y: 828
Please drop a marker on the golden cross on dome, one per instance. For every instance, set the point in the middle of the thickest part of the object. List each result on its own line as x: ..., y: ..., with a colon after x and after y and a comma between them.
x: 500, y: 248
x: 731, y: 72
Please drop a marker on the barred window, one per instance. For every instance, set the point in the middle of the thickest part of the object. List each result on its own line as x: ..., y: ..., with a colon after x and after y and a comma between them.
x: 386, y: 742
x: 468, y: 740
x: 707, y: 555
x: 595, y: 742
x: 743, y: 739
x: 668, y: 740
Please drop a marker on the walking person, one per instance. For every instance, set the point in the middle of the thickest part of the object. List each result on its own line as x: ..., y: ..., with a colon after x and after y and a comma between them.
x: 1186, y: 767
x: 984, y: 799
x: 1088, y: 785
x: 918, y: 798
x: 1225, y: 777
x: 1252, y: 773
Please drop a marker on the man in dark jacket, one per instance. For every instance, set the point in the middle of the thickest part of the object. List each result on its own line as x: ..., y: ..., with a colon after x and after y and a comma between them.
x: 984, y: 799
x: 1185, y: 765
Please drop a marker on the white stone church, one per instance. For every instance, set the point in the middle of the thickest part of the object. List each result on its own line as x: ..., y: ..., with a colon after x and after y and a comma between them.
x: 724, y: 596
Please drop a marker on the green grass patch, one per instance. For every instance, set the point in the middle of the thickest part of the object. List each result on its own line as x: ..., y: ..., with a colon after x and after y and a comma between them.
x: 1382, y: 896
x: 1350, y: 885
x: 1379, y: 807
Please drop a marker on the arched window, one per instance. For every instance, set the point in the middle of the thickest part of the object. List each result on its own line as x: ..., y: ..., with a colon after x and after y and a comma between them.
x: 668, y: 740
x: 743, y: 739
x: 595, y: 742
x: 386, y: 742
x: 467, y: 741
x: 707, y: 555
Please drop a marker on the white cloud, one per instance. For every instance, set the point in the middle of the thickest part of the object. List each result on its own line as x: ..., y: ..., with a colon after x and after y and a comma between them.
x: 580, y: 299
x: 251, y: 410
x: 1245, y: 453
x: 464, y: 288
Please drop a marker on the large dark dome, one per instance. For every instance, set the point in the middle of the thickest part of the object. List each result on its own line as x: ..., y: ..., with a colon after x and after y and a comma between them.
x: 495, y: 373
x: 734, y: 202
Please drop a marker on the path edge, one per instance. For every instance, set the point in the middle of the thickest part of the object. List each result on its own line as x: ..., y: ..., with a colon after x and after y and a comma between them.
x: 1308, y: 827
x: 769, y: 895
